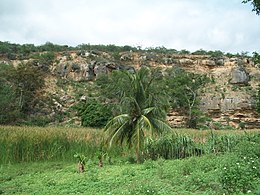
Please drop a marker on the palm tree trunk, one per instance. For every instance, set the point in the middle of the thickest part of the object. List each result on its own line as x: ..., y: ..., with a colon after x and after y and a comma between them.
x: 138, y: 156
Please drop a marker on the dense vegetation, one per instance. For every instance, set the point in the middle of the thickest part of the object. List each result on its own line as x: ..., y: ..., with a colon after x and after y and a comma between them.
x: 228, y: 162
x: 21, y: 92
x: 29, y: 144
x: 14, y: 51
x: 132, y: 106
x: 24, y: 101
x: 209, y: 174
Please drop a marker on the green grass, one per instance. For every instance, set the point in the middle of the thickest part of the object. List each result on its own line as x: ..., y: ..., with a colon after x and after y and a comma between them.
x: 195, y: 175
x: 41, y: 161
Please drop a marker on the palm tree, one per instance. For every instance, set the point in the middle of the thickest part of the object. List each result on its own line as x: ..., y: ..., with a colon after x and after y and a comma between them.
x: 144, y: 105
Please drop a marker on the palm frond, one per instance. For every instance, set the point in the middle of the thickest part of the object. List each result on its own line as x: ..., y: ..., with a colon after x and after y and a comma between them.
x: 147, y: 110
x: 160, y: 126
x: 116, y: 121
x: 144, y: 123
x: 117, y: 133
x: 116, y: 128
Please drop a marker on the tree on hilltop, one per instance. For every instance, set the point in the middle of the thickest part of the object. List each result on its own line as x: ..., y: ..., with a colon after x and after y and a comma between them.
x: 256, y: 5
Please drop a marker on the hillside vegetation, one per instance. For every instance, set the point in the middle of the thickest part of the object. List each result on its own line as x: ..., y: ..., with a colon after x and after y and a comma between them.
x: 52, y: 84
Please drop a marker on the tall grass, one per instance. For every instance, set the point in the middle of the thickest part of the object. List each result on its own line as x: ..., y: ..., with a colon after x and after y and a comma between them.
x: 25, y: 144
x: 180, y: 145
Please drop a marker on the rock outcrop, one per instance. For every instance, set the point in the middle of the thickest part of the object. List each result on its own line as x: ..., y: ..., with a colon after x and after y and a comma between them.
x: 228, y: 100
x: 239, y: 76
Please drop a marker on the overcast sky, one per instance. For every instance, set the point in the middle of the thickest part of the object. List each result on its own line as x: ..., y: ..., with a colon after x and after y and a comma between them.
x: 226, y: 25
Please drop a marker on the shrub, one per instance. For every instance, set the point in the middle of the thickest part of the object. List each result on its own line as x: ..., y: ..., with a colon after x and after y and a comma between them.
x: 93, y: 113
x: 242, y: 125
x: 258, y: 99
x: 256, y: 58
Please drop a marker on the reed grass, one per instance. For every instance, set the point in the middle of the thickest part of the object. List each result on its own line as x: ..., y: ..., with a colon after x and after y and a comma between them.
x: 27, y: 144
x: 188, y: 143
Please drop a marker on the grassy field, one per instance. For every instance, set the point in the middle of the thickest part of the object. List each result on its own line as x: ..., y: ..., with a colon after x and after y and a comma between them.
x: 26, y: 144
x: 195, y: 175
x: 41, y: 161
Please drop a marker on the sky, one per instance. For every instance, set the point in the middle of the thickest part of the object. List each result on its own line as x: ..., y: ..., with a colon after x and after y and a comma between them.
x: 226, y: 25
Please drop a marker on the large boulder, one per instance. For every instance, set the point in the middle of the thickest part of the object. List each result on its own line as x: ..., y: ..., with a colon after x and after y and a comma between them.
x: 87, y: 72
x: 239, y: 76
x: 76, y: 71
x: 104, y: 67
x: 185, y: 61
x: 208, y: 62
x: 219, y: 62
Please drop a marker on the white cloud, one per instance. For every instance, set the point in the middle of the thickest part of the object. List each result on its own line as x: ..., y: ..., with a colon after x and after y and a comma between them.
x: 212, y: 25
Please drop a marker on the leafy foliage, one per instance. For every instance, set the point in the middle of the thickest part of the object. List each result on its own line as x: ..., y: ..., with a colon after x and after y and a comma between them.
x: 216, y: 53
x: 142, y: 109
x: 183, y: 88
x: 240, y: 175
x: 9, y: 110
x: 44, y: 60
x: 20, y: 91
x: 29, y: 82
x: 258, y: 99
x: 81, y: 158
x: 256, y: 58
x: 14, y: 51
x: 93, y: 113
x: 255, y: 4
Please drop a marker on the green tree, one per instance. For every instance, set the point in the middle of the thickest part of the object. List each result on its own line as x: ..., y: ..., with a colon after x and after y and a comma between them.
x: 29, y: 82
x: 9, y: 110
x: 258, y: 100
x: 143, y: 109
x: 93, y: 113
x: 255, y: 4
x: 183, y: 89
x: 256, y: 58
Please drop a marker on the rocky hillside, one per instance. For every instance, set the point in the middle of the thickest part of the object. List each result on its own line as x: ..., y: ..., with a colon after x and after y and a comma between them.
x: 229, y: 99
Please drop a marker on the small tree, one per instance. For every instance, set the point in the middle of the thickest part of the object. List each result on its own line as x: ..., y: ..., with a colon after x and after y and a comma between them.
x: 256, y: 58
x: 258, y: 100
x: 183, y: 89
x: 93, y: 113
x: 29, y: 82
x: 143, y: 109
x: 9, y: 110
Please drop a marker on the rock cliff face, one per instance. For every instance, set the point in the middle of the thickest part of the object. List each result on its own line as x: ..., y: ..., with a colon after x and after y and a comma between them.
x: 229, y: 99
